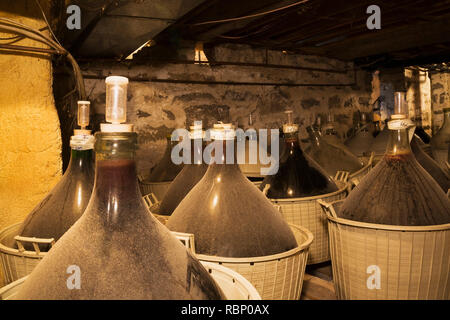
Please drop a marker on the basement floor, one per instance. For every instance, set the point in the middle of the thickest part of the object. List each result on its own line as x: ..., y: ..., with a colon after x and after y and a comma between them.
x: 318, y: 283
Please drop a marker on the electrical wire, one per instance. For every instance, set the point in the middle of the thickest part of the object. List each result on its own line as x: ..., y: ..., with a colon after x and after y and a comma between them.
x: 46, y: 21
x: 252, y: 15
x: 21, y: 29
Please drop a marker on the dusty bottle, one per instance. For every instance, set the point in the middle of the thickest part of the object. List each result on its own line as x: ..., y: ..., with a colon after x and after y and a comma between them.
x: 298, y: 174
x: 66, y: 202
x: 228, y: 215
x: 332, y: 138
x: 330, y: 157
x: 189, y: 176
x: 379, y: 144
x: 165, y: 170
x: 430, y: 165
x: 441, y: 140
x: 398, y: 191
x: 252, y: 163
x: 359, y: 144
x: 117, y: 248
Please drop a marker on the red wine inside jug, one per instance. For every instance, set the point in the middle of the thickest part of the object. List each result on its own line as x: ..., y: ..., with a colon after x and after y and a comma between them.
x: 118, y: 249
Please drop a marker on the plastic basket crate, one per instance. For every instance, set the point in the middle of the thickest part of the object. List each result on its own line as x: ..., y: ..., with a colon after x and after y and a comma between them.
x: 159, y: 189
x: 308, y: 213
x: 233, y: 285
x: 409, y: 262
x: 8, y: 292
x: 17, y: 263
x: 275, y: 277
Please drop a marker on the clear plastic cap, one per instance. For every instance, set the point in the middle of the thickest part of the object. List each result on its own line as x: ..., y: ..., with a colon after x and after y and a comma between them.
x: 116, y: 99
x: 83, y: 113
x: 400, y: 106
x: 289, y: 126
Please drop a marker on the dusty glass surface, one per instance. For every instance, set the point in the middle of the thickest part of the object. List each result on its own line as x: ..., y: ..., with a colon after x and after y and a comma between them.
x: 298, y: 174
x: 65, y: 203
x: 119, y: 248
x: 330, y: 157
x: 397, y: 191
x: 165, y: 170
x: 230, y: 217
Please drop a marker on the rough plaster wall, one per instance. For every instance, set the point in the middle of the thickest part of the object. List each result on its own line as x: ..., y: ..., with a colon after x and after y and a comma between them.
x: 157, y: 108
x: 30, y: 142
x: 440, y: 98
x: 418, y: 96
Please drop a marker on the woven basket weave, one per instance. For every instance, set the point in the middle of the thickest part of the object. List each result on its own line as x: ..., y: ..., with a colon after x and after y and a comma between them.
x: 413, y: 262
x: 17, y: 263
x: 276, y: 277
x: 159, y: 189
x: 308, y: 213
x: 233, y: 285
x: 8, y: 292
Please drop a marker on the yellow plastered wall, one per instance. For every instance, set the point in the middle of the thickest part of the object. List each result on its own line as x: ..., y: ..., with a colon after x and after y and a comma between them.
x: 30, y: 138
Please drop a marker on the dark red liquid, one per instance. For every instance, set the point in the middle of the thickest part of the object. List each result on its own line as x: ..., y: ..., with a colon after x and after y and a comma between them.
x: 121, y: 250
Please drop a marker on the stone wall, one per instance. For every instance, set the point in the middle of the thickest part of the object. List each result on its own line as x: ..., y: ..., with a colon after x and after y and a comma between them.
x: 418, y: 96
x: 30, y: 143
x: 165, y: 96
x: 440, y: 97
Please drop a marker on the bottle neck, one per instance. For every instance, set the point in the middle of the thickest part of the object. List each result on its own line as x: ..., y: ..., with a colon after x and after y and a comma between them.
x: 225, y: 153
x: 116, y: 187
x: 80, y: 160
x: 197, y: 146
x: 314, y: 137
x: 292, y: 144
x: 398, y: 143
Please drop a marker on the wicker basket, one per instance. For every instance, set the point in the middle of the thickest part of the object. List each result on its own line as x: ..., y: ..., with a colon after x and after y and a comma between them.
x: 8, y: 292
x: 357, y: 176
x: 233, y: 285
x: 17, y: 263
x: 308, y: 213
x: 159, y: 189
x: 276, y: 277
x: 373, y: 261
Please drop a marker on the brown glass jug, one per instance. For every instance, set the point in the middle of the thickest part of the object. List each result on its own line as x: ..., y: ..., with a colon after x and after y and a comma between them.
x: 331, y: 158
x: 188, y: 177
x: 298, y: 174
x: 228, y: 215
x: 165, y: 170
x: 117, y: 248
x: 66, y: 202
x: 398, y: 191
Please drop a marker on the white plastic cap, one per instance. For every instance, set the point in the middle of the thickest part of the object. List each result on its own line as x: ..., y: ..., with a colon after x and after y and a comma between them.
x: 82, y: 142
x: 223, y: 131
x: 289, y: 127
x: 119, y: 80
x: 112, y: 127
x: 196, y: 131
